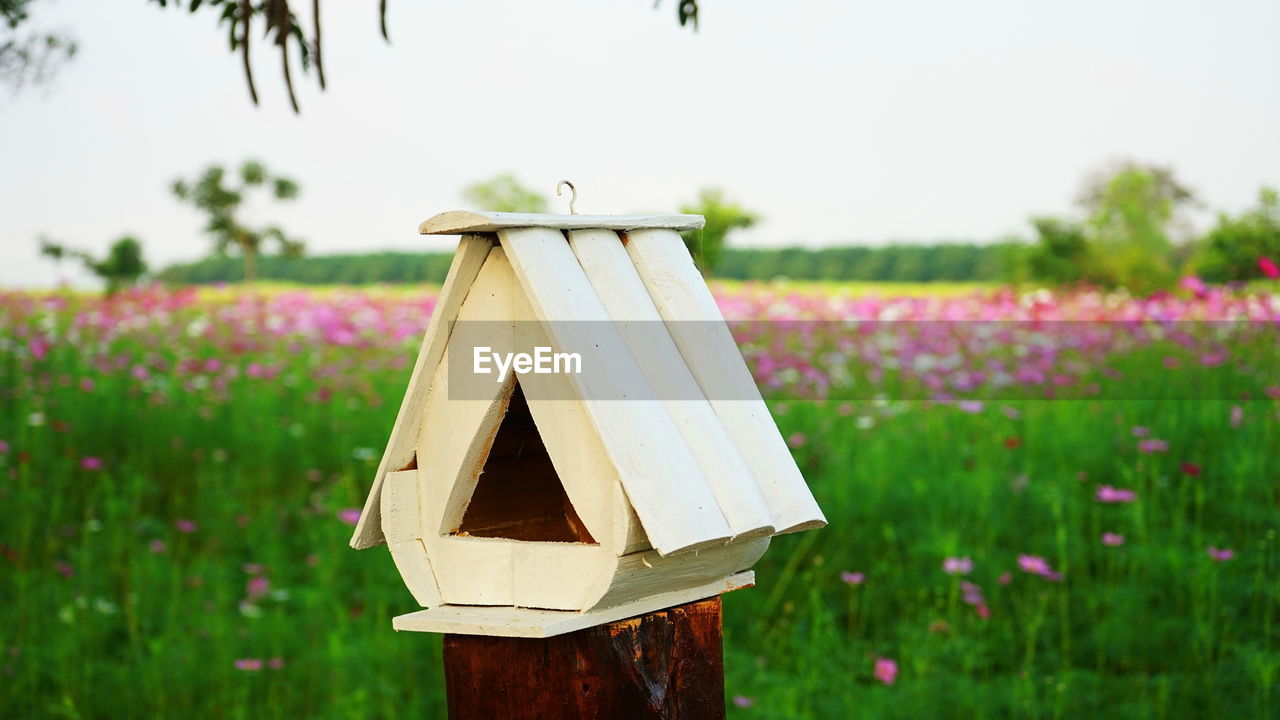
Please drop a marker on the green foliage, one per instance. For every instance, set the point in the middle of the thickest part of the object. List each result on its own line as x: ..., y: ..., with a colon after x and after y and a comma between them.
x: 1129, y: 228
x: 504, y: 193
x: 723, y: 217
x: 941, y: 262
x: 951, y: 262
x: 211, y: 194
x: 283, y: 28
x: 122, y: 267
x: 1125, y: 239
x: 1231, y: 249
x: 32, y: 58
x: 364, y: 269
x: 1061, y: 251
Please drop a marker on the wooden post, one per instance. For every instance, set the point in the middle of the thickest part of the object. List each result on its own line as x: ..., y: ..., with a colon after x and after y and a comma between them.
x: 666, y: 664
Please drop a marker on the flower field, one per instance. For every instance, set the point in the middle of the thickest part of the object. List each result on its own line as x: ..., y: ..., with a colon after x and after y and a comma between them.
x: 1042, y: 504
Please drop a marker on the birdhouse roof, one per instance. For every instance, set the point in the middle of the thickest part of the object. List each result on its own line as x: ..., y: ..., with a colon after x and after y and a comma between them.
x: 696, y: 450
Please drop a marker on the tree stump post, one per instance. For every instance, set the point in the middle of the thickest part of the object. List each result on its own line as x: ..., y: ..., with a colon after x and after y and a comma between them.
x: 666, y: 664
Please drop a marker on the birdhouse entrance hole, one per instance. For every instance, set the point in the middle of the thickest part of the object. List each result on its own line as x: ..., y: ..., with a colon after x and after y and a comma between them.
x: 519, y: 495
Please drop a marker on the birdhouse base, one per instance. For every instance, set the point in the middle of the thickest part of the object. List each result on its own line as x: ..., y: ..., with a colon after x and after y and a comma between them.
x: 534, y: 623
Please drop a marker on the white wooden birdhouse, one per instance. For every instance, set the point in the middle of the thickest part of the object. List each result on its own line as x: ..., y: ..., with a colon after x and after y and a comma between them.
x: 537, y: 503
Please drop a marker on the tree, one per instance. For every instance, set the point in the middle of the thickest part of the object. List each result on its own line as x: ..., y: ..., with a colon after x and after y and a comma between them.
x: 281, y: 25
x: 504, y: 193
x: 222, y: 203
x: 123, y: 266
x: 1127, y: 238
x: 1232, y: 249
x: 1061, y: 252
x: 31, y: 58
x: 723, y: 217
x: 1131, y: 224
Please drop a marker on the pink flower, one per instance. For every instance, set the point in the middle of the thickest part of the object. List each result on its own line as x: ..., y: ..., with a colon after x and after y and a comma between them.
x: 1193, y: 285
x: 4, y: 448
x: 1005, y: 578
x: 157, y: 546
x: 1140, y: 431
x: 797, y: 440
x: 275, y: 663
x: 886, y: 671
x: 957, y: 565
x: 350, y: 516
x: 1221, y: 555
x: 743, y: 701
x: 1108, y: 494
x: 1112, y: 539
x: 1237, y: 416
x: 1191, y: 469
x: 91, y: 463
x: 1268, y: 267
x: 257, y: 587
x: 1036, y: 565
x: 983, y: 611
x: 248, y: 664
x: 86, y: 384
x: 1033, y: 564
x: 186, y: 526
x: 38, y: 346
x: 970, y: 406
x: 1153, y: 445
x: 852, y: 578
x: 64, y: 569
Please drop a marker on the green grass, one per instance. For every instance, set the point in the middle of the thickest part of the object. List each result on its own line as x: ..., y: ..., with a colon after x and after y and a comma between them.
x: 109, y: 610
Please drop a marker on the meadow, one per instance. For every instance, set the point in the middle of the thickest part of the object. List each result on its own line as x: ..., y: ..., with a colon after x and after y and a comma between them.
x: 1043, y: 504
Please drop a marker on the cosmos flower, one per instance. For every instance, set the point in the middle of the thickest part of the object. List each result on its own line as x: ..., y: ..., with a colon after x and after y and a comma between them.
x: 1108, y: 494
x: 886, y: 671
x: 1111, y: 539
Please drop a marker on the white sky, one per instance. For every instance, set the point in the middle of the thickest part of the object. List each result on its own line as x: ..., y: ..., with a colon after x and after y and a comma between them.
x: 839, y: 121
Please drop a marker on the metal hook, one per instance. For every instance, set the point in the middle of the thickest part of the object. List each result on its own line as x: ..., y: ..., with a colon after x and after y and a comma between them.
x: 573, y: 198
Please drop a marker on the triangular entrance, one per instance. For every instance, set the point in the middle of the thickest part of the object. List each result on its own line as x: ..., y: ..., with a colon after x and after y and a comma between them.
x: 519, y: 495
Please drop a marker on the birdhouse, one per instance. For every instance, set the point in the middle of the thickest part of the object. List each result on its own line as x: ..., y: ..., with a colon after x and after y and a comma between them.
x: 642, y: 472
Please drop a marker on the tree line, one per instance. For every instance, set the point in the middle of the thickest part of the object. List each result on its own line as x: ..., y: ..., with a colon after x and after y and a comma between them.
x: 892, y: 263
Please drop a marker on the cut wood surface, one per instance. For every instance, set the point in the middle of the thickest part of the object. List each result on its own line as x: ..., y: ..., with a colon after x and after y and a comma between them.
x: 614, y: 278
x: 466, y: 221
x: 532, y: 623
x: 666, y: 664
x: 659, y: 471
x: 399, y: 455
x: 690, y: 311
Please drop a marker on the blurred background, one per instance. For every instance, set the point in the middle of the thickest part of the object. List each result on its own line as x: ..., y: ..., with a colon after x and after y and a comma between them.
x: 1006, y: 272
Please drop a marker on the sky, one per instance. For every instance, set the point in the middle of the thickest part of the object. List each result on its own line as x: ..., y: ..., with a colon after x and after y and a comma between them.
x: 841, y: 121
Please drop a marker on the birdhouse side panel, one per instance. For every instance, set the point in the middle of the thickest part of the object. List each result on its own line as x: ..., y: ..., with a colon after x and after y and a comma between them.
x: 467, y: 261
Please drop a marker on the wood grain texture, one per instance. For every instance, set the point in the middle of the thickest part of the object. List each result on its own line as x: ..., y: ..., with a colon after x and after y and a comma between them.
x: 685, y: 302
x: 399, y: 455
x: 465, y: 221
x: 654, y: 463
x: 666, y: 664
